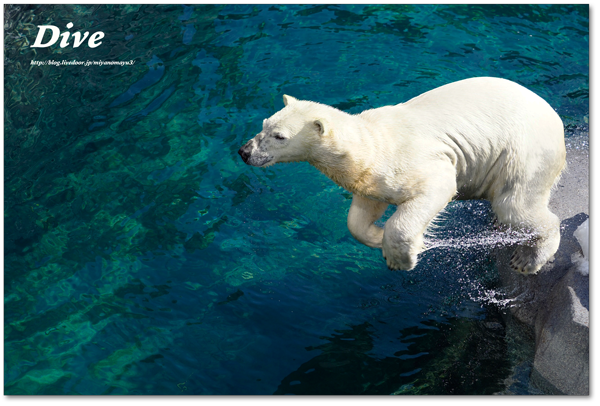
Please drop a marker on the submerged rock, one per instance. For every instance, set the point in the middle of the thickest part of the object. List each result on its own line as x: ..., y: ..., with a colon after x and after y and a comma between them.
x: 233, y: 297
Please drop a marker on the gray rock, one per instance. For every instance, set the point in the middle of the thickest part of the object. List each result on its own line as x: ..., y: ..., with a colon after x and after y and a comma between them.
x: 531, y: 292
x: 555, y: 302
x: 561, y: 364
x: 572, y: 194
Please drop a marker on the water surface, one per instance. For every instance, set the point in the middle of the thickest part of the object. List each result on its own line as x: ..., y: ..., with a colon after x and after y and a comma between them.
x: 142, y: 256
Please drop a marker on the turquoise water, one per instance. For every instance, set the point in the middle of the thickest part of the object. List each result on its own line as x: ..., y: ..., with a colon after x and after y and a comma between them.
x: 142, y: 256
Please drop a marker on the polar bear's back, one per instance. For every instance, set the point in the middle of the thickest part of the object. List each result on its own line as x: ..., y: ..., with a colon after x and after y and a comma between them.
x: 490, y: 104
x: 490, y: 124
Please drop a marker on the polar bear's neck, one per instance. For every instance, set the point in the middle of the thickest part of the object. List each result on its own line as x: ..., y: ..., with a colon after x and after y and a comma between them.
x: 357, y: 180
x: 346, y: 156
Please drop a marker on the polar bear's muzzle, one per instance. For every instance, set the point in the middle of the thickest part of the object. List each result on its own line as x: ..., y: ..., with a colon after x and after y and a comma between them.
x: 252, y: 156
x: 245, y: 151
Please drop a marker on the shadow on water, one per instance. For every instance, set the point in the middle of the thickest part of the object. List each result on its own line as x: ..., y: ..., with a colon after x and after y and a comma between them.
x: 456, y: 357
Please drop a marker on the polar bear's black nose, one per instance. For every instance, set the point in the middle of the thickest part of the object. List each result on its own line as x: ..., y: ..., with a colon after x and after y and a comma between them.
x: 244, y: 154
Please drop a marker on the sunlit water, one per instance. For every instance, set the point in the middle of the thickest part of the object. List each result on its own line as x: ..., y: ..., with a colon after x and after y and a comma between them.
x: 142, y: 256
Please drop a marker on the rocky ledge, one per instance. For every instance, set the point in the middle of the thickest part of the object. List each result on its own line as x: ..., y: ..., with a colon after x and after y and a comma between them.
x: 555, y: 302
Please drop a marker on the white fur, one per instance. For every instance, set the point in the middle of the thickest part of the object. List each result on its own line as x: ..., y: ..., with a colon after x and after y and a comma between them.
x: 477, y: 138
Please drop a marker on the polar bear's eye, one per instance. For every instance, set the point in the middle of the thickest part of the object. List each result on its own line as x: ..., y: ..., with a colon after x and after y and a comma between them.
x: 278, y: 136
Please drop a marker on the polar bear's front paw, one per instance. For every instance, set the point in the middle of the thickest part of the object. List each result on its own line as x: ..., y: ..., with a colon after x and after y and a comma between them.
x: 400, y: 257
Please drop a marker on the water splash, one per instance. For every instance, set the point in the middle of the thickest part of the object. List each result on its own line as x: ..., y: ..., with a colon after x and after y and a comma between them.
x: 474, y: 244
x: 484, y: 239
x: 497, y: 297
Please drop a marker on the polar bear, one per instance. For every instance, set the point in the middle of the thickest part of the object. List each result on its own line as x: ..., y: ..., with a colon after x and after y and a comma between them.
x: 478, y: 138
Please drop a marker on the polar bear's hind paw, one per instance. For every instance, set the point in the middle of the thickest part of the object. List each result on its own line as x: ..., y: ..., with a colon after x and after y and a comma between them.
x: 526, y: 261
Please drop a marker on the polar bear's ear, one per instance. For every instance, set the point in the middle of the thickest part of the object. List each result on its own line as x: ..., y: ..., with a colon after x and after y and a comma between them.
x: 288, y: 99
x: 321, y: 126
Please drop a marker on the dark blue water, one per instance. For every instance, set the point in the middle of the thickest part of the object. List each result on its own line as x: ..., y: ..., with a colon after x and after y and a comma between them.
x: 142, y: 256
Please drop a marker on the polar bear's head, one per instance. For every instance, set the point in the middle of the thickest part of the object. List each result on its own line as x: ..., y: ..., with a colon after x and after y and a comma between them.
x: 290, y: 135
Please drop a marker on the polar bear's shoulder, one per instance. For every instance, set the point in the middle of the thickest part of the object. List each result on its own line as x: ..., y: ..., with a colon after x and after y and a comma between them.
x: 380, y: 113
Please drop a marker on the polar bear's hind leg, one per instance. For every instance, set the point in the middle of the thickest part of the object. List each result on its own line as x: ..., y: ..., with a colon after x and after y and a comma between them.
x: 529, y: 258
x: 543, y: 227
